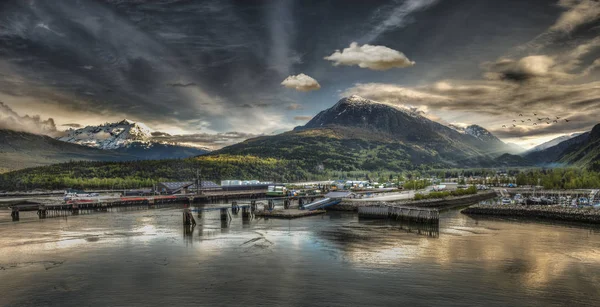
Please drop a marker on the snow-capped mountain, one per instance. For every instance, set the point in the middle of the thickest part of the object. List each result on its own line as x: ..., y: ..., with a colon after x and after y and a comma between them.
x: 130, y: 137
x: 110, y: 136
x: 396, y: 123
x: 358, y: 133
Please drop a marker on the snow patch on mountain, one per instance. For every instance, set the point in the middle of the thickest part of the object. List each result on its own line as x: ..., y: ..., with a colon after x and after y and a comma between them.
x: 475, y: 131
x: 553, y: 142
x: 355, y: 101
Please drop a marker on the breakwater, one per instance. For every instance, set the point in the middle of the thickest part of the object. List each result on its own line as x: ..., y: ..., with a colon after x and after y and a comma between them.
x: 441, y: 203
x: 557, y: 213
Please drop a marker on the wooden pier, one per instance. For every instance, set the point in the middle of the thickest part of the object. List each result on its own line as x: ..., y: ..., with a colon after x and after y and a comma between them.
x: 389, y: 211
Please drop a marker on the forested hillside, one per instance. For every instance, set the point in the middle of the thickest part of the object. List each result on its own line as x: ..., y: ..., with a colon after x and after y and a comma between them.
x: 134, y: 174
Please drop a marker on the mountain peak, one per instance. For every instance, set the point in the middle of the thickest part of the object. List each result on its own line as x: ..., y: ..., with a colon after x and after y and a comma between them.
x: 127, y: 122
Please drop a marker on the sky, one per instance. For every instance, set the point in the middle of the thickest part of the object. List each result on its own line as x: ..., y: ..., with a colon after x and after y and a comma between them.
x: 210, y: 72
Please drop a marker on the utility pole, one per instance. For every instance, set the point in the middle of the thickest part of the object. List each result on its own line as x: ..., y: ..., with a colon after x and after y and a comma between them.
x: 198, y: 181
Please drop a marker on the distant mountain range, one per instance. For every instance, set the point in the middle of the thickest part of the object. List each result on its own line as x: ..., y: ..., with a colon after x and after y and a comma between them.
x: 361, y: 134
x: 354, y: 134
x: 21, y: 149
x: 130, y: 138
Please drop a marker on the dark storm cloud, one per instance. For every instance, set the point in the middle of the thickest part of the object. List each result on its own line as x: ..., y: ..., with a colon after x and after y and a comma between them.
x: 114, y: 57
x: 181, y: 84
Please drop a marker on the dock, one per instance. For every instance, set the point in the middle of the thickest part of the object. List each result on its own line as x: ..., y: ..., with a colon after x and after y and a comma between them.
x: 240, y: 200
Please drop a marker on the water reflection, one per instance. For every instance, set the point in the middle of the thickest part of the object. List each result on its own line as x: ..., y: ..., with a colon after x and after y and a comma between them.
x: 461, y: 262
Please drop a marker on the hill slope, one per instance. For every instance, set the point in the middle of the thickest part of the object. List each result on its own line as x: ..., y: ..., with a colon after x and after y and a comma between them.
x: 585, y: 153
x: 553, y: 142
x: 555, y: 153
x: 21, y: 149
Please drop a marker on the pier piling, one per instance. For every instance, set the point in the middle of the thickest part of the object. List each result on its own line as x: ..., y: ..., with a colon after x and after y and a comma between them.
x: 384, y: 211
x: 41, y: 212
x: 235, y: 208
x: 224, y: 214
x: 15, y: 214
x: 188, y: 218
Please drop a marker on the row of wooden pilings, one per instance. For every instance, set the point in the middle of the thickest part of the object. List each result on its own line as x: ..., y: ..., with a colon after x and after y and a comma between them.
x: 44, y: 211
x: 247, y: 210
x: 418, y: 215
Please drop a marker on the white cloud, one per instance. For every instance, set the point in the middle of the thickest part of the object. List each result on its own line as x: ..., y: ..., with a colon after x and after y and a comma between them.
x: 301, y: 82
x: 10, y: 120
x: 205, y: 140
x: 578, y: 13
x: 369, y: 56
x: 389, y: 18
x: 393, y: 94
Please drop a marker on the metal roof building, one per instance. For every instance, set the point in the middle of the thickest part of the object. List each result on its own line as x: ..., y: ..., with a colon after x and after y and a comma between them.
x: 174, y: 187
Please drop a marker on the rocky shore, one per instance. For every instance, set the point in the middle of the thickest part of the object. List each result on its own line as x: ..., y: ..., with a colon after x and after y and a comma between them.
x: 441, y: 203
x: 554, y: 212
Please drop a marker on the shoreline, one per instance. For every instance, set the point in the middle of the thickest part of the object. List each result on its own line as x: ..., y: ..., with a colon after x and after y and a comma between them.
x: 549, y: 212
x: 440, y: 203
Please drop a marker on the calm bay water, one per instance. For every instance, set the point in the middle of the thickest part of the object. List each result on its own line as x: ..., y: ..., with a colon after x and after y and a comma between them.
x: 143, y: 258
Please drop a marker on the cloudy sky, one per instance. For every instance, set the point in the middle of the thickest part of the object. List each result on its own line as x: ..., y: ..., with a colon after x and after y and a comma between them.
x: 225, y: 70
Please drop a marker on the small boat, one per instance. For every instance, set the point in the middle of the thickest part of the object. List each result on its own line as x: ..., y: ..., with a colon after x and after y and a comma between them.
x: 583, y: 201
x: 519, y: 199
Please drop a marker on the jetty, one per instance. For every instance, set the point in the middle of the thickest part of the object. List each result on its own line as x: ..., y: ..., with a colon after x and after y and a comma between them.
x: 548, y: 212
